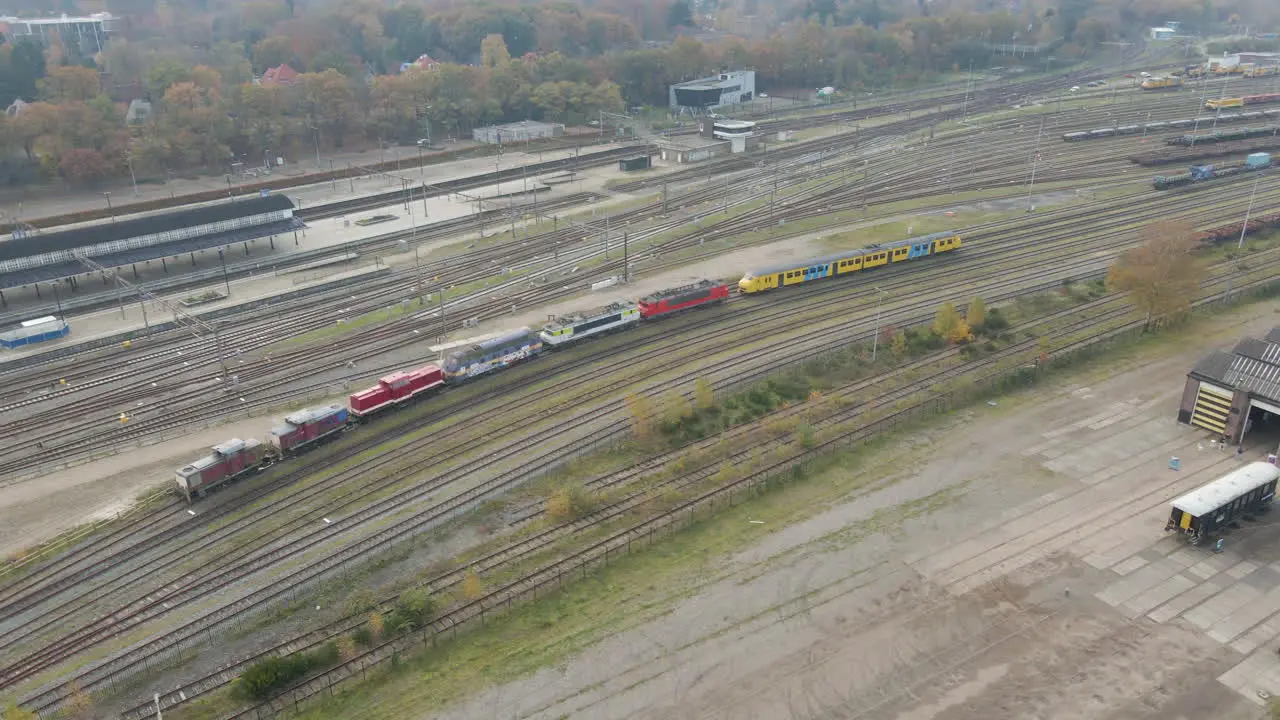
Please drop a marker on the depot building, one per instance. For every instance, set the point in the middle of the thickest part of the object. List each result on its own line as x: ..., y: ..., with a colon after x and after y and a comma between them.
x: 1236, y: 394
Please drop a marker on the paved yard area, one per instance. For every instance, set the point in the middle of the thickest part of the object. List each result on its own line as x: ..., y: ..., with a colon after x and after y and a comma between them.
x: 1014, y: 565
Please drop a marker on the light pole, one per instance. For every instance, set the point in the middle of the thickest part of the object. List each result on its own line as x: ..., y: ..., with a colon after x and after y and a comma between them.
x: 1245, y: 228
x: 134, y: 178
x: 225, y: 278
x: 875, y: 339
x: 57, y: 298
x: 107, y: 195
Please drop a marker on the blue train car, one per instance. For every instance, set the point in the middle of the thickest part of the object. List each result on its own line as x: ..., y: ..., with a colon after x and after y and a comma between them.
x: 493, y: 354
x: 34, y: 331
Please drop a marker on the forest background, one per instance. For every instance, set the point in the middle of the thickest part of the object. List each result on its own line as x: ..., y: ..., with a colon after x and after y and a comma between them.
x: 199, y: 64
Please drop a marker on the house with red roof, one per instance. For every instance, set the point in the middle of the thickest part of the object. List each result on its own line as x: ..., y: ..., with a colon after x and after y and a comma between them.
x: 280, y: 75
x: 424, y: 62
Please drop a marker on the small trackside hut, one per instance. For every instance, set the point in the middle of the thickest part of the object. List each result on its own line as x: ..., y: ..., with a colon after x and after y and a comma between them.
x: 1244, y: 492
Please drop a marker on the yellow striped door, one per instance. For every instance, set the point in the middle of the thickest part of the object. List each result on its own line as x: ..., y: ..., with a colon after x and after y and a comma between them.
x: 1212, y: 409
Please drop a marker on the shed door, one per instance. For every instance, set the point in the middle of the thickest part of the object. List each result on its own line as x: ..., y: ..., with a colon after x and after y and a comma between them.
x: 1213, y: 405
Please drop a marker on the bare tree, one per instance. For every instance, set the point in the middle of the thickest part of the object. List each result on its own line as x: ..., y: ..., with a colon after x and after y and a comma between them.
x: 1161, y: 275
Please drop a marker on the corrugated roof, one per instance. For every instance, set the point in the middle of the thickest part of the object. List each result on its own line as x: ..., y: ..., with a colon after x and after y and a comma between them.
x: 137, y: 227
x: 1253, y: 366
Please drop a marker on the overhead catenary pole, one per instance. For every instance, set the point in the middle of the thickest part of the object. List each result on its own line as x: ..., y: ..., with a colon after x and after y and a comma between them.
x: 226, y: 280
x: 875, y: 339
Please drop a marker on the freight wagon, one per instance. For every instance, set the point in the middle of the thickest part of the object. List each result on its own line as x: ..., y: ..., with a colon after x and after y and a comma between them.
x: 1243, y: 492
x: 1201, y: 173
x: 1168, y: 83
x: 685, y: 297
x: 1243, y: 133
x: 307, y: 428
x: 228, y: 461
x: 847, y: 262
x: 579, y: 326
x: 490, y: 355
x: 395, y: 390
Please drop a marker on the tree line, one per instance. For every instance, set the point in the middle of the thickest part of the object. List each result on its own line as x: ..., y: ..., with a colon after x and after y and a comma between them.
x: 196, y: 63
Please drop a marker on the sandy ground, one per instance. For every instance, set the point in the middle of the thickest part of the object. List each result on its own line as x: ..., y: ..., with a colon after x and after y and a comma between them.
x: 1045, y: 588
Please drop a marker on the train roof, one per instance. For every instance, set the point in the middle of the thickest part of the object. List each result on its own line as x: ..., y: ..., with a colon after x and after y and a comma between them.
x: 852, y: 253
x: 672, y: 292
x: 578, y: 317
x: 302, y: 417
x: 1227, y: 488
x: 504, y: 339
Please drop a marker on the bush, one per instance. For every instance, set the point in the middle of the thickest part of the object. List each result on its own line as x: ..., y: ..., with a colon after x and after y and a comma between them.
x: 363, y: 636
x: 994, y: 323
x: 266, y: 677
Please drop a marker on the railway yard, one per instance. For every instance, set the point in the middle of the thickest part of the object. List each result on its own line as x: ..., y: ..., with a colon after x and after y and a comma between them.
x: 118, y: 597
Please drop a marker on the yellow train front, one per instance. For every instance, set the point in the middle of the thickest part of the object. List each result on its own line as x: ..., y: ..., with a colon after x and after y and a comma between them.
x: 850, y: 261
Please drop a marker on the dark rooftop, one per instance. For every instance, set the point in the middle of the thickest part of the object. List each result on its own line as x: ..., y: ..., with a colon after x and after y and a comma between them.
x: 44, y: 273
x: 137, y: 227
x: 1253, y: 365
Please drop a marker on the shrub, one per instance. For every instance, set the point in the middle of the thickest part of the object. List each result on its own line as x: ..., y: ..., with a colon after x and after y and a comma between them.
x: 264, y: 678
x: 362, y: 636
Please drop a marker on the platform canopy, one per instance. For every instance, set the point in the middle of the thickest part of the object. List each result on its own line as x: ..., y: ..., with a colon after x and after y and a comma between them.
x: 43, y: 256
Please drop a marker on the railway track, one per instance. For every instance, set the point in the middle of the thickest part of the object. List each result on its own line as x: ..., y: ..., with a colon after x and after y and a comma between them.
x: 526, y: 585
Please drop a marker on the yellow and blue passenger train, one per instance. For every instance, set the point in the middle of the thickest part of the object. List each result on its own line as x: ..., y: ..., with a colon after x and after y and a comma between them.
x: 849, y: 261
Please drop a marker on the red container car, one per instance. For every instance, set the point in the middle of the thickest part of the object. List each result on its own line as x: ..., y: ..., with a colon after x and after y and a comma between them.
x: 684, y: 297
x: 228, y: 460
x: 307, y: 427
x: 394, y: 389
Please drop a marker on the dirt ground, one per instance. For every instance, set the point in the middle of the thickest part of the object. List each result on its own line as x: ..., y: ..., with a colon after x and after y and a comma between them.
x: 1018, y: 569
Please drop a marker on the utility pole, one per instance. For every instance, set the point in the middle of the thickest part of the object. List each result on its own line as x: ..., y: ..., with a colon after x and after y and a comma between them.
x: 875, y: 339
x: 225, y: 279
x: 1245, y: 228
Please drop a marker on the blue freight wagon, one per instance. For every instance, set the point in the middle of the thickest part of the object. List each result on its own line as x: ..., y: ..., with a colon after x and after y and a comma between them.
x: 34, y: 331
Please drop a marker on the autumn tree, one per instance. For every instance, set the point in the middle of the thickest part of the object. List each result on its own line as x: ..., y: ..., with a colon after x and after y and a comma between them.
x: 949, y: 326
x: 70, y: 83
x: 704, y: 395
x: 493, y: 51
x: 675, y: 408
x: 1161, y: 275
x: 472, y: 588
x: 641, y: 410
x: 946, y: 320
x: 898, y: 344
x: 976, y: 314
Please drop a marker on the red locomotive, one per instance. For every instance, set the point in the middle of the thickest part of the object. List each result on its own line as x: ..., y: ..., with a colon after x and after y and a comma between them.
x: 395, y: 389
x: 684, y: 297
x: 307, y: 427
x: 229, y: 460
